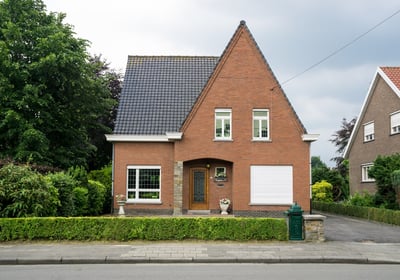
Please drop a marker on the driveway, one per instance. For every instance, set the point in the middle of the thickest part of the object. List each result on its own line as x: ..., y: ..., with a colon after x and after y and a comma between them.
x: 343, y: 228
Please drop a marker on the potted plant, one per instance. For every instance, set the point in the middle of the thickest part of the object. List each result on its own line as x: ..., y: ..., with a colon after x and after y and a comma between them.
x: 224, y: 205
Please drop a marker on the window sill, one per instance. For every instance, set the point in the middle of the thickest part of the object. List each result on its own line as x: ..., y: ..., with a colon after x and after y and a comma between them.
x: 369, y: 141
x: 372, y: 181
x: 222, y: 140
x: 262, y: 140
x: 144, y: 202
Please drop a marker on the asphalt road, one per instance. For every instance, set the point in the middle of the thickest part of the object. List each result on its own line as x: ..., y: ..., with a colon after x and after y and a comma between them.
x: 341, y: 228
x: 202, y: 271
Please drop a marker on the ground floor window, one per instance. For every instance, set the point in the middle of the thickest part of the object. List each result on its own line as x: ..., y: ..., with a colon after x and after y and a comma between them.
x: 364, y: 172
x: 143, y: 183
x: 271, y: 184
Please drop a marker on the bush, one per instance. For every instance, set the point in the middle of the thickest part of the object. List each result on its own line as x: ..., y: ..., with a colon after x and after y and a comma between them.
x: 101, y: 228
x: 96, y: 194
x: 322, y: 191
x: 65, y: 185
x: 376, y: 214
x: 104, y: 176
x: 365, y: 199
x: 81, y: 201
x: 382, y: 171
x: 26, y: 193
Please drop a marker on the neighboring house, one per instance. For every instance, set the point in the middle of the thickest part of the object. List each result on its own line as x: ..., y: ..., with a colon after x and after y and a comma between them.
x: 193, y: 130
x: 377, y: 130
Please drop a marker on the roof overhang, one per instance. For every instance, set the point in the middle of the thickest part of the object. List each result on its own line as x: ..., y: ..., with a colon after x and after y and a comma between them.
x: 167, y: 137
x: 310, y: 137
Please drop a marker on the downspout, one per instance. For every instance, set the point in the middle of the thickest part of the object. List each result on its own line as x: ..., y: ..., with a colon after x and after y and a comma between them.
x: 112, y: 180
x: 310, y: 138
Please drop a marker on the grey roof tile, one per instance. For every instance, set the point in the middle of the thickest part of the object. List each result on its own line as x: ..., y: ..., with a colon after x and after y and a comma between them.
x: 159, y: 91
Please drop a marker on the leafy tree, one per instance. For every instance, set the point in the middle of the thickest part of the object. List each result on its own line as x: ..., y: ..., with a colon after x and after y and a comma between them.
x: 26, y: 193
x: 322, y: 191
x: 51, y: 96
x: 340, y: 139
x: 382, y: 171
x: 321, y: 172
x: 113, y: 81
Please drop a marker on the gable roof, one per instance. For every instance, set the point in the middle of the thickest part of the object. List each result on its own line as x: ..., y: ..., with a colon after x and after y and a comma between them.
x: 243, y: 28
x: 391, y: 75
x: 159, y: 91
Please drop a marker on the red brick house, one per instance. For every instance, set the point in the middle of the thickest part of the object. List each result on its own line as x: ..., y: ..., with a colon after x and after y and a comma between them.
x: 377, y: 130
x: 193, y: 130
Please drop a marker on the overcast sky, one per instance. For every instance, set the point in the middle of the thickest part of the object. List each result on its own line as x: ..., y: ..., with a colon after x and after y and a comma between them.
x: 292, y: 34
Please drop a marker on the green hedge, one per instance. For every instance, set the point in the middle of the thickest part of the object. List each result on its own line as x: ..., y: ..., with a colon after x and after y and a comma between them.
x: 142, y: 228
x: 375, y: 214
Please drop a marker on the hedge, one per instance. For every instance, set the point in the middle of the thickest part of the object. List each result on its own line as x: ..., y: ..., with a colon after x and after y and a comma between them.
x: 370, y: 213
x: 142, y: 228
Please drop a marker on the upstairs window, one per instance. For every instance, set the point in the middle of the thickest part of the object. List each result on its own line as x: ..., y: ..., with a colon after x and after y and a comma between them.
x: 395, y: 123
x: 369, y: 132
x: 260, y: 124
x: 223, y: 124
x: 364, y: 173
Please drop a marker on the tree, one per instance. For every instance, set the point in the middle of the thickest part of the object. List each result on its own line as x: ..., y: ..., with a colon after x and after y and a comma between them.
x: 51, y: 97
x: 341, y: 138
x: 321, y: 172
x: 382, y: 171
x: 113, y: 81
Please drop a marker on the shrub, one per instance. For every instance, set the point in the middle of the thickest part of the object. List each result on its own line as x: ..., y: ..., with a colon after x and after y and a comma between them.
x: 26, y: 193
x: 65, y: 185
x: 364, y: 199
x: 79, y: 174
x: 96, y: 194
x: 376, y: 214
x: 81, y: 201
x: 381, y: 171
x: 104, y: 176
x: 322, y: 191
x: 102, y: 228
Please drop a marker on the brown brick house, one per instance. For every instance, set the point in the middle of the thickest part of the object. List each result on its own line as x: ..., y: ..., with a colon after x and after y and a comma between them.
x: 193, y: 130
x: 377, y: 130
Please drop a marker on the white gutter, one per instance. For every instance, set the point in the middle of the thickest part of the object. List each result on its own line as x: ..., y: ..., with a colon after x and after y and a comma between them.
x: 310, y: 137
x: 168, y: 137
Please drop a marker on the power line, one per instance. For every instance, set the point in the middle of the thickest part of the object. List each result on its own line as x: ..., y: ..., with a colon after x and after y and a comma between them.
x: 341, y: 48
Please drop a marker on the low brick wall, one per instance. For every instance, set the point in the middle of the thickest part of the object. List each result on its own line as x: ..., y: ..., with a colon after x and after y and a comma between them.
x: 314, y: 228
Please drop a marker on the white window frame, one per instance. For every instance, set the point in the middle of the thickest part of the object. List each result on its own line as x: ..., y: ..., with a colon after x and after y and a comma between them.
x: 369, y: 131
x: 364, y: 172
x: 224, y: 120
x: 271, y: 185
x: 395, y: 123
x: 136, y: 190
x: 259, y: 120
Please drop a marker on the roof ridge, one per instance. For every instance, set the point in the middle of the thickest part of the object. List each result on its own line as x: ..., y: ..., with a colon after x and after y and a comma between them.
x: 190, y: 56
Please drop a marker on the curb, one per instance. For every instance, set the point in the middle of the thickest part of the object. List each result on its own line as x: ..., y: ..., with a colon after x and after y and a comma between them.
x: 106, y: 260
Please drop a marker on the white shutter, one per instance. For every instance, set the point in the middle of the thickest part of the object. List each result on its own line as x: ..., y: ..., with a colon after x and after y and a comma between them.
x: 369, y: 129
x: 395, y: 120
x: 271, y: 184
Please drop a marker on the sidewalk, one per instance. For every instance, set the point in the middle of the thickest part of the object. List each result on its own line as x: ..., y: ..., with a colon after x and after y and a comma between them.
x: 199, y: 252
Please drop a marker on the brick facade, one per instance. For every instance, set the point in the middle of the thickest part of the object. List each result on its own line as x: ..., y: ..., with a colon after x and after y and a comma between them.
x: 242, y: 81
x: 382, y: 101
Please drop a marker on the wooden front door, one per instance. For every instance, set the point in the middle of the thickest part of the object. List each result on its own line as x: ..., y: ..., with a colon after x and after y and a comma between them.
x: 198, y: 189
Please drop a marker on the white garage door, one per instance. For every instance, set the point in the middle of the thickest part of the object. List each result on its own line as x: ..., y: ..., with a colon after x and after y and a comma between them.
x: 271, y: 184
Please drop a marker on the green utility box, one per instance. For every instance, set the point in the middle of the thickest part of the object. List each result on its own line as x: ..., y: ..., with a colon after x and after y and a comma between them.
x: 295, y: 216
